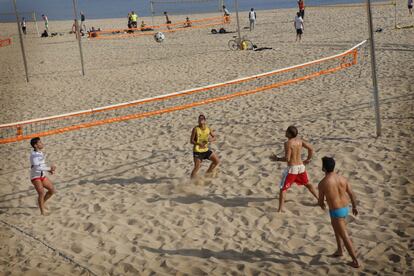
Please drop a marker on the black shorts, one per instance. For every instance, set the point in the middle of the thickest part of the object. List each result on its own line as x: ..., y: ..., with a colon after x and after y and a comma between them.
x: 302, y: 13
x: 410, y: 7
x: 299, y: 31
x: 202, y: 155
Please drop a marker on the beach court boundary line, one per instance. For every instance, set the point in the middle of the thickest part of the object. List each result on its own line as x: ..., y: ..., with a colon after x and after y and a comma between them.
x: 18, y: 127
x: 63, y: 255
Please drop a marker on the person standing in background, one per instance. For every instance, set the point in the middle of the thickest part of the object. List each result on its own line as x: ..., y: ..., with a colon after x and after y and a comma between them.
x: 23, y: 24
x: 83, y: 25
x: 46, y: 22
x: 301, y: 5
x: 252, y: 19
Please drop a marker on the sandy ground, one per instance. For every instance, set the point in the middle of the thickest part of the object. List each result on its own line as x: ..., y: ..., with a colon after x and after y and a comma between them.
x: 125, y: 204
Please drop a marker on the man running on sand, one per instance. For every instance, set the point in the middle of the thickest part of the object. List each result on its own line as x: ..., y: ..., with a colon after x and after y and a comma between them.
x: 38, y: 174
x: 201, y: 136
x: 295, y: 172
x: 335, y: 188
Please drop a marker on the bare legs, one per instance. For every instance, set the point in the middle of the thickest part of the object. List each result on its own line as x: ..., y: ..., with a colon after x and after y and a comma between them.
x: 312, y: 190
x: 214, y: 162
x: 342, y: 236
x: 197, y: 164
x: 40, y: 187
x: 282, y: 196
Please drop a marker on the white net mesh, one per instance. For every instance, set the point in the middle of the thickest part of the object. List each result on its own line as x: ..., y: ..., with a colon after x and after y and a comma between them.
x: 183, y: 99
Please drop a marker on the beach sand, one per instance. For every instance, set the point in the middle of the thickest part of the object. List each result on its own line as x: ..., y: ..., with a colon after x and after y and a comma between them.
x: 124, y: 202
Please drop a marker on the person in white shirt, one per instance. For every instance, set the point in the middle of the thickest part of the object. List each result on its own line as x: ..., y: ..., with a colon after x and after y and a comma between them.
x: 226, y: 14
x: 298, y: 26
x: 38, y: 174
x: 23, y: 24
x: 252, y: 19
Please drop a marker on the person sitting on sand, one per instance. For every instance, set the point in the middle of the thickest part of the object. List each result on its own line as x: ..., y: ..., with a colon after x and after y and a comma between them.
x: 45, y: 34
x: 335, y: 189
x: 144, y: 27
x: 295, y: 171
x: 187, y: 22
x: 201, y: 136
x: 38, y: 174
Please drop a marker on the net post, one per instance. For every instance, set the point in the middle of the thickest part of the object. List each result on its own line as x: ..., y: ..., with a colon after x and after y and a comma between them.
x: 374, y: 69
x: 236, y: 5
x: 355, y: 55
x: 21, y: 41
x: 395, y: 14
x: 75, y: 11
x: 35, y: 20
x: 152, y: 11
x: 19, y: 131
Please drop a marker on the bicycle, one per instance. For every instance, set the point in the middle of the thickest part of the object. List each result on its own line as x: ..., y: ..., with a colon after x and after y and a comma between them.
x: 240, y: 44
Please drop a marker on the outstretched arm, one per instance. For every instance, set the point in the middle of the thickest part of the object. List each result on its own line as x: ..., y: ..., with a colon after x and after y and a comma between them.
x: 307, y: 146
x: 285, y: 158
x: 352, y: 197
x: 193, y: 137
x: 212, y: 135
x: 321, y: 198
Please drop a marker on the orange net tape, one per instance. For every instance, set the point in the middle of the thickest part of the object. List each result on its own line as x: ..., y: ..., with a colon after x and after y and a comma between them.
x: 5, y: 42
x: 167, y: 28
x: 167, y: 103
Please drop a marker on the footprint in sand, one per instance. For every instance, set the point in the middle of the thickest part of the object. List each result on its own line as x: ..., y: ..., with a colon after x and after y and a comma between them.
x: 76, y: 248
x: 132, y: 221
x: 97, y: 207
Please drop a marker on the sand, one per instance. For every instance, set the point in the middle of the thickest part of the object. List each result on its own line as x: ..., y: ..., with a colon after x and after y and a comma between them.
x: 124, y: 202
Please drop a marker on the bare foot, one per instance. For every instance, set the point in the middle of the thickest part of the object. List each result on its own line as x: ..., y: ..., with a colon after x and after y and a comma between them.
x: 337, y: 254
x: 354, y: 264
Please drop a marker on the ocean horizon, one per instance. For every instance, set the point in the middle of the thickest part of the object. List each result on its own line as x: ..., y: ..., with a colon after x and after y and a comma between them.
x: 99, y: 9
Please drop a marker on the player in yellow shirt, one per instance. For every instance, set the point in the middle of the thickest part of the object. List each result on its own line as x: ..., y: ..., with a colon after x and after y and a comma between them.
x: 201, y: 136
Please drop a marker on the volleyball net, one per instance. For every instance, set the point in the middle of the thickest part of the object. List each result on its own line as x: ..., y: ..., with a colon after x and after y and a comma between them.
x: 181, y: 100
x: 187, y: 24
x: 346, y: 4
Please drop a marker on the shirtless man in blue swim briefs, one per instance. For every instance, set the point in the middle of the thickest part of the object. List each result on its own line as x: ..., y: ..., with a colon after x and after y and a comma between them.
x: 335, y: 189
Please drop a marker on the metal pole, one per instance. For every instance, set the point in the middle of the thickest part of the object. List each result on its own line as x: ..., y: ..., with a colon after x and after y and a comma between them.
x: 395, y: 14
x: 37, y: 28
x: 374, y: 69
x: 75, y: 11
x: 236, y: 4
x: 152, y: 12
x: 21, y: 41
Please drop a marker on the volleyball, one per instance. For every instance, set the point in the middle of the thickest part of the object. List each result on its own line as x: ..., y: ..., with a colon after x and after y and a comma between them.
x: 159, y: 37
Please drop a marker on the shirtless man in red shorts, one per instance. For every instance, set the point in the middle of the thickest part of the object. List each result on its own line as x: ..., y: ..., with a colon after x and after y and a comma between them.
x: 295, y: 171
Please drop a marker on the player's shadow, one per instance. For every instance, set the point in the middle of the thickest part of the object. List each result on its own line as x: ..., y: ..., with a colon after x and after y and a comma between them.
x: 246, y: 255
x: 224, y: 202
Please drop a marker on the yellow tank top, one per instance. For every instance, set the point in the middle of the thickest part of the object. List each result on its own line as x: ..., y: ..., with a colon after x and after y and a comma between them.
x: 134, y: 17
x: 201, y: 136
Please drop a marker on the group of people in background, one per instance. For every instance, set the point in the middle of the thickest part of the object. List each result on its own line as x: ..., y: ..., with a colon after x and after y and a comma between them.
x: 133, y: 20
